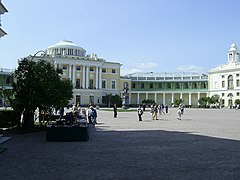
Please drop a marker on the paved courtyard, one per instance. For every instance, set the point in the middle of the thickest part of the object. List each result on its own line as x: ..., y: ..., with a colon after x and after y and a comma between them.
x: 203, y: 145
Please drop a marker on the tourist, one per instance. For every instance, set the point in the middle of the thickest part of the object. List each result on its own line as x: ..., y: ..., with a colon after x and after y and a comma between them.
x: 155, y: 112
x: 89, y: 114
x: 166, y: 108
x: 114, y: 110
x: 179, y: 113
x: 140, y: 113
x: 94, y: 115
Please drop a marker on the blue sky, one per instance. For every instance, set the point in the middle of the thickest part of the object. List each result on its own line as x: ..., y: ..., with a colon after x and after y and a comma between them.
x: 143, y: 35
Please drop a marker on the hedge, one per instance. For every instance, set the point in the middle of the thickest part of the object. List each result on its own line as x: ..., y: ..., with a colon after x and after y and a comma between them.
x: 9, y: 118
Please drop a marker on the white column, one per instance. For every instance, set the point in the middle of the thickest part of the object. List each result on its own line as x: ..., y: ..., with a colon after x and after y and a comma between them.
x: 70, y: 71
x: 172, y: 98
x: 100, y: 78
x: 87, y: 77
x: 181, y: 95
x: 164, y: 101
x: 83, y: 78
x: 129, y: 98
x: 137, y: 98
x: 198, y: 96
x: 155, y: 97
x: 73, y: 77
x: 190, y: 99
x: 96, y: 77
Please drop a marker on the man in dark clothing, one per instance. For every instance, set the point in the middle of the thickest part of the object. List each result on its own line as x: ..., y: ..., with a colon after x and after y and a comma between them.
x: 114, y: 110
x: 140, y: 113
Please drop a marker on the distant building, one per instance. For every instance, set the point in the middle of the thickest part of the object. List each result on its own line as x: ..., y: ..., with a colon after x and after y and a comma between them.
x: 2, y: 11
x: 224, y: 80
x: 164, y: 88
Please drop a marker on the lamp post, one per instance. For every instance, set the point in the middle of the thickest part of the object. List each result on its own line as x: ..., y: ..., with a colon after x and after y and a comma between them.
x: 42, y: 51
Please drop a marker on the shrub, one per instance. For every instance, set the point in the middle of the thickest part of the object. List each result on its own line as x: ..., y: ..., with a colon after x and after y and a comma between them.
x: 9, y: 118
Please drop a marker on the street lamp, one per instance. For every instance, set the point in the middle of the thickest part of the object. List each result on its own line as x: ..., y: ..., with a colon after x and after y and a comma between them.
x: 42, y: 51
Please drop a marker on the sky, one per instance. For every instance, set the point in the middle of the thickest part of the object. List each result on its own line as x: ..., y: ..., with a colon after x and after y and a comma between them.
x: 143, y: 35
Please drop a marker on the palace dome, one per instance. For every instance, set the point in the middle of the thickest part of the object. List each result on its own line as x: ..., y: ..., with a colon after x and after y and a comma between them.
x: 66, y: 47
x: 233, y: 47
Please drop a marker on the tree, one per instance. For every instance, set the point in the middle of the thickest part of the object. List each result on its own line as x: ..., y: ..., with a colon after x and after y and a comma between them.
x: 38, y: 84
x: 203, y: 101
x: 110, y: 99
x: 177, y: 102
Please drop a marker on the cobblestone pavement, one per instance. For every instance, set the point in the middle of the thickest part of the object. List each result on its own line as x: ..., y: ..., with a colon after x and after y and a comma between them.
x: 203, y: 145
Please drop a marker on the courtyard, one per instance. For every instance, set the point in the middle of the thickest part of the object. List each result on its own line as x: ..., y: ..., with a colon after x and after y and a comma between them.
x: 203, y: 145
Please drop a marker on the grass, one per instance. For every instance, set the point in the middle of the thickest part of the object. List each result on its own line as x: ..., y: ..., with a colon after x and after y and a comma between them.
x: 119, y: 110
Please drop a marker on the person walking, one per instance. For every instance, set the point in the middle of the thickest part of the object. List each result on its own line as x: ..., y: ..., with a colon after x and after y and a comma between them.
x: 179, y: 113
x: 114, y: 110
x: 140, y: 113
x: 155, y: 112
x: 94, y: 115
x: 166, y: 108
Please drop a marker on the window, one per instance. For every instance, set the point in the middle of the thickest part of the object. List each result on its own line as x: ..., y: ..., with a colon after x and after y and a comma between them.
x: 91, y: 69
x: 203, y: 85
x: 237, y: 93
x: 151, y: 85
x: 91, y: 99
x: 185, y: 85
x: 160, y: 85
x: 223, y: 76
x: 133, y: 85
x: 77, y: 83
x: 177, y: 86
x: 223, y: 84
x: 90, y: 83
x: 237, y: 75
x: 114, y: 71
x: 238, y: 83
x: 194, y: 85
x: 113, y: 84
x: 78, y: 68
x: 104, y: 70
x: 64, y: 67
x: 142, y: 85
x: 104, y: 84
x: 222, y: 94
x: 168, y: 85
x: 230, y: 82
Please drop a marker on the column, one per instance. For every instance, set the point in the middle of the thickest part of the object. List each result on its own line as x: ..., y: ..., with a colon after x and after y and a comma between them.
x: 172, y: 98
x: 74, y: 77
x: 96, y: 77
x: 87, y: 77
x: 129, y: 96
x: 181, y: 95
x: 100, y: 77
x: 83, y: 78
x: 198, y: 96
x: 146, y: 96
x: 69, y: 71
x: 137, y: 98
x: 190, y: 99
x: 164, y: 101
x: 155, y: 97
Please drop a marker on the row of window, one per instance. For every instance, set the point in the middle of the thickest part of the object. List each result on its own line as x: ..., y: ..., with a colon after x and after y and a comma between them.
x: 170, y: 85
x: 91, y: 84
x: 237, y: 94
x: 230, y: 83
x: 78, y: 68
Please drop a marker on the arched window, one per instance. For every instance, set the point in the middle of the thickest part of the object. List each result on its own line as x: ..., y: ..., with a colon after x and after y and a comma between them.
x: 185, y: 85
x: 203, y: 85
x: 230, y: 82
x: 194, y: 85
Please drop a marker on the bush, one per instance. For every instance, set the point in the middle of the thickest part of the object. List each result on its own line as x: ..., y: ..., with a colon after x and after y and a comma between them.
x: 9, y: 118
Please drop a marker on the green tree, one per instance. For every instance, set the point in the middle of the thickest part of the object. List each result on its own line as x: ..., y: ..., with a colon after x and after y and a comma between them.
x: 38, y: 84
x: 110, y: 99
x: 177, y: 102
x: 237, y: 101
x: 203, y: 102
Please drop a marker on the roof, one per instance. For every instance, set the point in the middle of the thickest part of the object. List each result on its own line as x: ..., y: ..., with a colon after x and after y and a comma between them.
x: 66, y: 44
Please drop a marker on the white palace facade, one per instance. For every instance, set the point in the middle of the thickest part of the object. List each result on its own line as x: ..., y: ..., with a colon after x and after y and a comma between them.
x: 94, y: 77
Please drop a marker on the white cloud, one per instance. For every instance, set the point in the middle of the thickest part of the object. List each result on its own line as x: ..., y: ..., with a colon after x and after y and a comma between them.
x: 146, y: 66
x: 129, y: 71
x: 191, y: 68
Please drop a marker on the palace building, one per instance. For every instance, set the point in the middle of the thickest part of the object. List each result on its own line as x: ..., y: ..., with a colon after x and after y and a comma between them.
x: 164, y: 88
x: 94, y: 77
x: 224, y: 80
